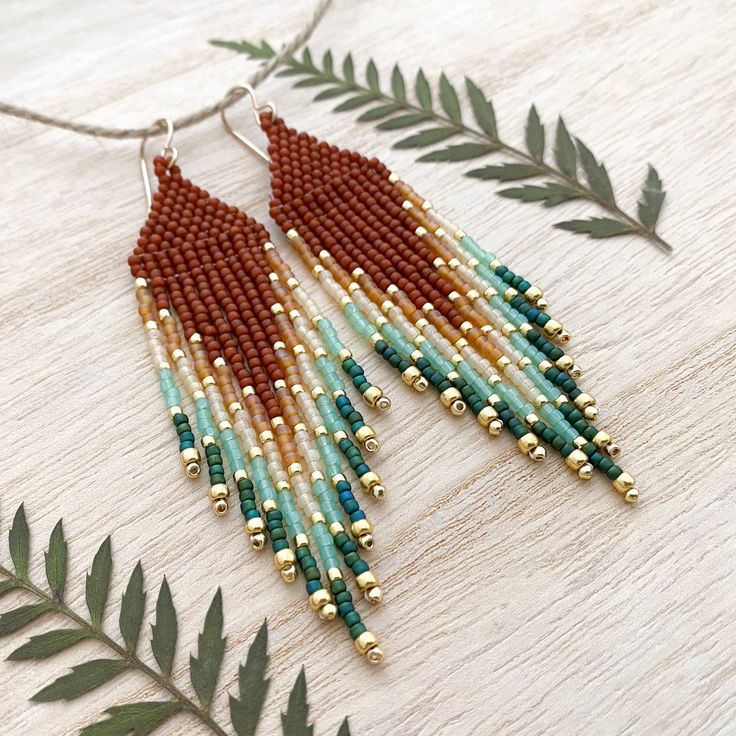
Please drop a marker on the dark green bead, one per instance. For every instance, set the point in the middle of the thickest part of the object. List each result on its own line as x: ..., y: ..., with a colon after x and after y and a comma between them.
x: 614, y: 471
x: 357, y: 629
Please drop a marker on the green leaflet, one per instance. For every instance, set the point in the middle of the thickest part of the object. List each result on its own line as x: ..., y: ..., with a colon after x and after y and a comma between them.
x: 344, y: 729
x: 245, y: 711
x: 294, y: 721
x: 459, y: 152
x: 449, y: 100
x: 423, y: 91
x: 506, y: 172
x: 535, y: 135
x: 16, y: 619
x: 652, y: 199
x: 19, y: 543
x: 550, y: 194
x: 56, y: 561
x: 565, y: 151
x: 47, y: 644
x: 165, y: 630
x: 402, y: 121
x: 137, y: 719
x: 482, y: 109
x: 398, y: 85
x: 205, y: 668
x: 98, y: 582
x: 131, y: 609
x: 264, y: 51
x: 82, y: 679
x: 596, y: 174
x: 426, y: 138
x: 597, y: 227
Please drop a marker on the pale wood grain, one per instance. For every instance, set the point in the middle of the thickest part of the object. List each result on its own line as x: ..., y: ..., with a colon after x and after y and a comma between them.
x: 519, y: 601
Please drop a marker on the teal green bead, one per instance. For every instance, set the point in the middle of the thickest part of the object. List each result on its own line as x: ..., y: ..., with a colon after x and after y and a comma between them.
x: 357, y: 629
x: 351, y: 618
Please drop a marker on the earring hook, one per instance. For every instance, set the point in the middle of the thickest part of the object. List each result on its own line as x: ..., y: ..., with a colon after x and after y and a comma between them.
x: 247, y: 91
x: 169, y: 151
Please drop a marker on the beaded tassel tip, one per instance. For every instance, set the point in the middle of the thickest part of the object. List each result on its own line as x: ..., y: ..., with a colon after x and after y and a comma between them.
x: 262, y: 369
x: 438, y: 307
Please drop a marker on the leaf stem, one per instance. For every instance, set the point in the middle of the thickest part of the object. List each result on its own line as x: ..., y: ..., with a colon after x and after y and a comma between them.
x: 430, y: 115
x: 134, y: 661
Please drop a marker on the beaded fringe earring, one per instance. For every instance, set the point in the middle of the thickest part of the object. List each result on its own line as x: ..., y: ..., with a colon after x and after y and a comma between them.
x: 432, y: 302
x: 226, y: 320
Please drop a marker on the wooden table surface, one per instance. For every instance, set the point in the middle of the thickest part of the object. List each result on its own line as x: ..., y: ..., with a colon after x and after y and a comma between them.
x: 518, y: 599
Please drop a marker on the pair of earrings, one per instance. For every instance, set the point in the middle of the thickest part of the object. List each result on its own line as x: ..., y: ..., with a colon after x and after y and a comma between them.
x: 267, y: 374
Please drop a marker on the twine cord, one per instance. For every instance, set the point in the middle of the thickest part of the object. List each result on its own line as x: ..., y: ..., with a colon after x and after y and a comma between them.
x: 99, y: 131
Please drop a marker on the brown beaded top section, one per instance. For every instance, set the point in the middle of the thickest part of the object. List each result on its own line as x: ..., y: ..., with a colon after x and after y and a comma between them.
x: 343, y: 202
x: 204, y: 259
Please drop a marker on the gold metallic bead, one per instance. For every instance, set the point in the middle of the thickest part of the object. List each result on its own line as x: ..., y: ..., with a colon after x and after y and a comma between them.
x: 177, y: 354
x: 533, y: 294
x: 255, y: 525
x: 510, y: 293
x: 486, y: 415
x: 369, y: 479
x: 563, y: 336
x: 576, y: 459
x: 288, y: 573
x: 552, y: 328
x: 193, y: 470
x: 220, y: 507
x: 624, y: 482
x: 367, y: 645
x: 319, y: 598
x: 631, y: 496
x: 219, y: 490
x: 495, y: 427
x: 525, y: 328
x: 542, y: 304
x: 141, y: 283
x: 374, y: 595
x: 601, y: 439
x: 576, y: 371
x: 336, y: 528
x: 564, y: 363
x: 538, y: 454
x: 530, y: 419
x: 585, y: 472
x: 334, y: 573
x: 449, y: 396
x: 367, y: 438
x: 366, y: 581
x: 318, y: 518
x: 189, y: 455
x: 583, y: 401
x: 580, y: 442
x: 328, y: 612
x: 258, y: 541
x: 410, y: 375
x: 612, y: 449
x: 255, y: 452
x: 421, y: 384
x: 503, y: 362
x: 208, y: 440
x: 208, y: 381
x: 294, y: 468
x: 508, y: 329
x: 591, y: 413
x: 268, y: 505
x: 524, y: 362
x: 526, y: 443
x: 284, y: 557
x: 560, y: 400
x: 371, y: 395
x: 362, y: 526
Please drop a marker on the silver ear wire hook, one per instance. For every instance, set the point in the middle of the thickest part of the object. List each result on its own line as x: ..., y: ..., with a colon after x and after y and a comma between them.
x: 169, y: 151
x: 248, y: 91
